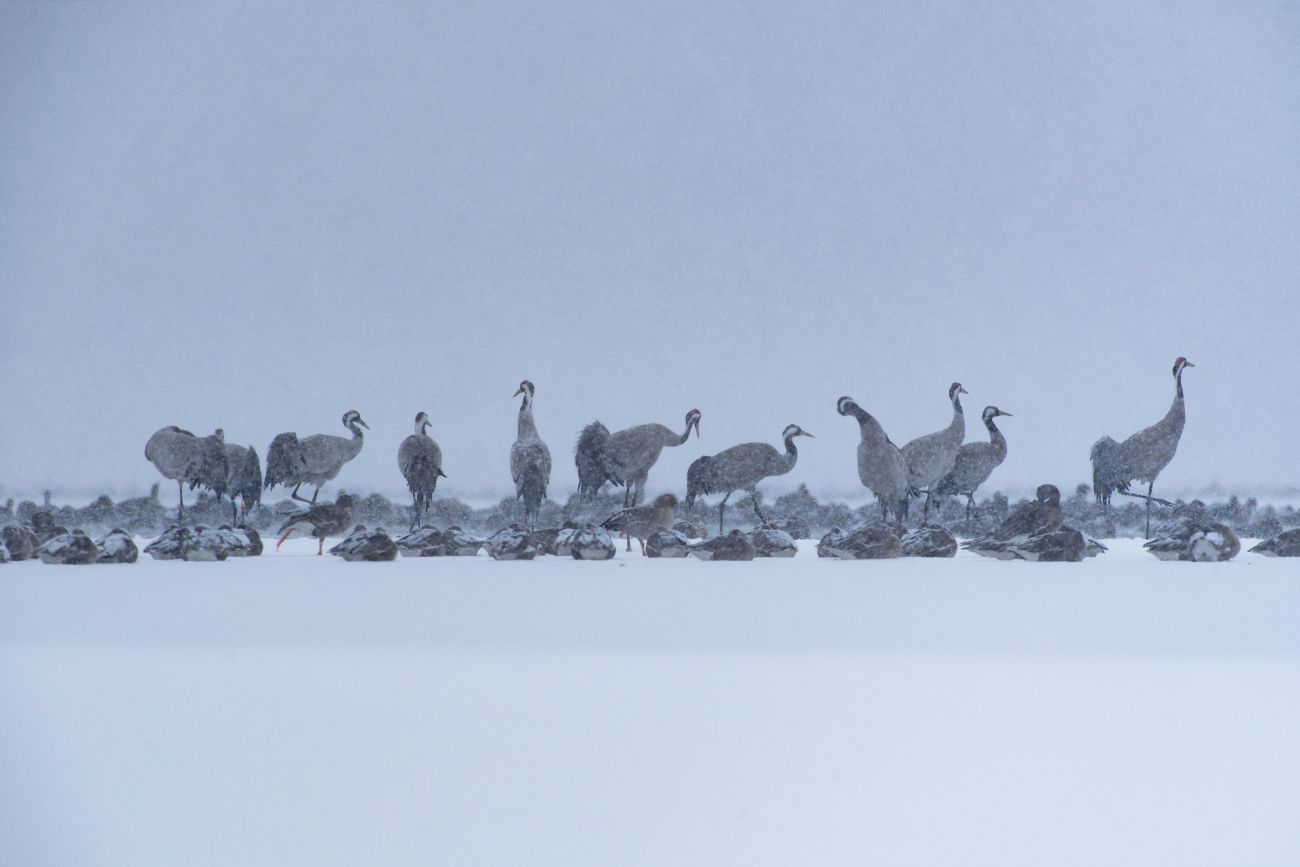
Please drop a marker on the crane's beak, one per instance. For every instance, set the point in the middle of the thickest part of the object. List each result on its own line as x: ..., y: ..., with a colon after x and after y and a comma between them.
x: 1007, y: 414
x: 962, y: 390
x: 804, y: 433
x: 1187, y: 363
x: 363, y: 424
x: 518, y: 391
x: 697, y: 429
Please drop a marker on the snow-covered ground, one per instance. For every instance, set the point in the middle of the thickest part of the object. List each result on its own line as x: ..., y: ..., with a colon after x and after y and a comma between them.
x: 300, y: 710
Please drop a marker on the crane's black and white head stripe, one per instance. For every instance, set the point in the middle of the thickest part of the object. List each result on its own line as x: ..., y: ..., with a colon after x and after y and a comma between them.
x: 956, y: 389
x: 992, y: 412
x: 352, y: 417
x: 693, y: 421
x: 1180, y: 363
x: 422, y: 422
x: 846, y: 405
x: 525, y: 388
x: 793, y: 430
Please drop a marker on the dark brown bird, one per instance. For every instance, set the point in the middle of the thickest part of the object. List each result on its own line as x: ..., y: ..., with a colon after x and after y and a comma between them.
x: 322, y: 521
x: 733, y: 546
x: 640, y: 522
x: 1039, y: 515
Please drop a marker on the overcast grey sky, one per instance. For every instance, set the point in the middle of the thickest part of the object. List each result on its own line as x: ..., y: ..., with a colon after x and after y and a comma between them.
x: 257, y: 218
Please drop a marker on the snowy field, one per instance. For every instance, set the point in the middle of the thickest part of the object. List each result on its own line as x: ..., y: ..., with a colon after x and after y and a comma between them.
x: 300, y: 710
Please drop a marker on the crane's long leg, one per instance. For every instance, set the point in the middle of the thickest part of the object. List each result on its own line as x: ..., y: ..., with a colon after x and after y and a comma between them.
x: 970, y: 501
x: 180, y: 511
x: 757, y: 511
x: 1150, y: 485
x: 314, y: 494
x: 722, y: 510
x: 234, y: 513
x: 295, y: 496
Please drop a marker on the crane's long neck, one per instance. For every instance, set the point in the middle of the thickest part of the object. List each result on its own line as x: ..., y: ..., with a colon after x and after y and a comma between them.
x: 527, y: 430
x: 357, y: 435
x: 675, y: 440
x: 957, y: 427
x: 872, y: 432
x: 996, y: 438
x: 1178, y: 410
x: 791, y: 454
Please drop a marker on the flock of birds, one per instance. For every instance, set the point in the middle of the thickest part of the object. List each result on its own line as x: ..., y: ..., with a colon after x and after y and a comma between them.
x: 939, y: 464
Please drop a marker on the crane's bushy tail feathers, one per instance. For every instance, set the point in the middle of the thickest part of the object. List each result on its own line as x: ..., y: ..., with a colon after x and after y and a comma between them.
x: 1109, y: 474
x: 283, y: 461
x: 699, y: 479
x: 593, y: 462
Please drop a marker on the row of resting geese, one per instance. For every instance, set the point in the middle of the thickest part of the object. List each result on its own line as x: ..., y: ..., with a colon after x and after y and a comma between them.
x: 938, y: 464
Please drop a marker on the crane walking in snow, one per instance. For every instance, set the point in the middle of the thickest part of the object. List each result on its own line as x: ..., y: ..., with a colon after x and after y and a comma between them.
x: 625, y: 457
x: 312, y: 460
x: 741, y: 468
x: 975, y: 462
x: 1142, y: 456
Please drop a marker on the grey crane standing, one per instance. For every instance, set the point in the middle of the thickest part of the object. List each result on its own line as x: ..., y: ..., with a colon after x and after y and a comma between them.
x: 930, y: 458
x: 1143, y: 455
x: 741, y: 468
x: 420, y: 460
x: 313, y: 460
x: 530, y: 459
x: 243, y: 478
x: 196, y: 461
x: 882, y: 468
x: 975, y: 462
x: 625, y: 457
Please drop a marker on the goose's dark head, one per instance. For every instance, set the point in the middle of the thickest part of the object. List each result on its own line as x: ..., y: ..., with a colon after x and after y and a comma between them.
x: 344, y: 501
x: 1048, y: 495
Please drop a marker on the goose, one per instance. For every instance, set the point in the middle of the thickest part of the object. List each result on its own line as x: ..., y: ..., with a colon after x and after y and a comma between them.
x: 1284, y: 544
x: 591, y: 543
x: 321, y: 522
x: 667, y: 543
x: 117, y: 546
x: 641, y: 521
x: 1195, y: 537
x: 932, y: 540
x: 769, y: 541
x: 733, y: 546
x: 19, y: 542
x: 423, y: 541
x: 512, y: 542
x: 871, y: 542
x: 69, y: 549
x: 362, y: 545
x: 313, y: 460
x: 1041, y: 514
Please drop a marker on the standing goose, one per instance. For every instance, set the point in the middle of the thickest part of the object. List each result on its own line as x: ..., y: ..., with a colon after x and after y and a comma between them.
x: 741, y: 468
x: 625, y: 457
x: 882, y: 467
x: 1143, y: 455
x: 930, y: 458
x: 180, y: 455
x: 643, y: 521
x: 530, y: 459
x: 327, y: 519
x: 420, y: 460
x: 975, y: 462
x: 313, y: 460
